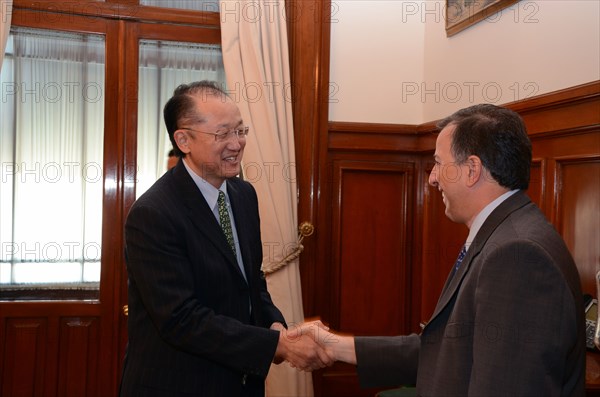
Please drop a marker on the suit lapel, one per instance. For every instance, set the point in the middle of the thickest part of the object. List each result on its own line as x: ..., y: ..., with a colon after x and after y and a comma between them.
x: 238, y: 207
x: 513, y: 203
x: 201, y: 215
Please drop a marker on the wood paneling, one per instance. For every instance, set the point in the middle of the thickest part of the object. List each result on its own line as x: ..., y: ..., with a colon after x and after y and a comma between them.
x: 78, y: 356
x: 371, y: 234
x: 100, y: 11
x: 308, y: 24
x: 578, y: 213
x: 379, y: 137
x: 24, y: 358
x: 537, y: 183
x: 340, y: 380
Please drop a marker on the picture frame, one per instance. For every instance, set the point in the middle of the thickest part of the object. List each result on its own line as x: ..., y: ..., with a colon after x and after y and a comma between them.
x: 461, y: 14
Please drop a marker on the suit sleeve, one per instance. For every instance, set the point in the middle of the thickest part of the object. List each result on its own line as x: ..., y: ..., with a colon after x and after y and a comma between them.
x: 159, y: 270
x: 525, y: 322
x: 387, y: 361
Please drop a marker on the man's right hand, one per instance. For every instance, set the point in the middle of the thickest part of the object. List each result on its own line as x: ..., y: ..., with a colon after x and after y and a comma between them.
x: 298, y: 347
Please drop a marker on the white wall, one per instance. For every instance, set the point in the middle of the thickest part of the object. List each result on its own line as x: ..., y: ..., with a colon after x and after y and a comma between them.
x: 372, y: 52
x: 393, y: 63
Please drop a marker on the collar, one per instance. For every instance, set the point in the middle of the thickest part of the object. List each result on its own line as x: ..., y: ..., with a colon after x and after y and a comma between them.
x: 210, y: 193
x: 483, y: 215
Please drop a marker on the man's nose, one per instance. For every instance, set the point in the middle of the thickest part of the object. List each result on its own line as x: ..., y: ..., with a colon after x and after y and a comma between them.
x: 235, y: 143
x: 433, y: 176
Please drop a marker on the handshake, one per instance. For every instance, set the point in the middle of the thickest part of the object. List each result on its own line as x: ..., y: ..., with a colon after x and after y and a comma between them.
x: 311, y: 346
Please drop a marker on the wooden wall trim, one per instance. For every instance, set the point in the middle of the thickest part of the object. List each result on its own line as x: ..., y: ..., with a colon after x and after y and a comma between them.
x: 375, y: 128
x: 543, y: 115
x: 396, y: 138
x: 308, y: 23
x: 113, y: 10
x: 582, y: 92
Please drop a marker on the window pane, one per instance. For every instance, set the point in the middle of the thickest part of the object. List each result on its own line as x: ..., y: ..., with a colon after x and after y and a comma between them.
x: 164, y: 66
x: 51, y: 138
x: 196, y: 5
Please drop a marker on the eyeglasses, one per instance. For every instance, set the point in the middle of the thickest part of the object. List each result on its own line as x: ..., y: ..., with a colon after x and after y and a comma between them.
x: 239, y: 132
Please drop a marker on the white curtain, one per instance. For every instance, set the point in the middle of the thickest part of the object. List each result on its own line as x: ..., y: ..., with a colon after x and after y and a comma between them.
x: 255, y: 54
x: 164, y: 66
x: 51, y: 151
x: 5, y: 18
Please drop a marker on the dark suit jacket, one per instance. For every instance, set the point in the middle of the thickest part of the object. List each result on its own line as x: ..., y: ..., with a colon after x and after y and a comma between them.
x: 196, y: 327
x: 509, y: 323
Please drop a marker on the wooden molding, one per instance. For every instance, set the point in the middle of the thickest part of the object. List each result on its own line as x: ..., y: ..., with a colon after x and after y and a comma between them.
x: 379, y: 137
x: 579, y: 93
x: 545, y: 115
x: 101, y: 10
x: 308, y: 23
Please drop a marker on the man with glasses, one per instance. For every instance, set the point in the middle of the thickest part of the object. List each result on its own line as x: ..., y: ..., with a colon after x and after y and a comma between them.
x: 201, y: 321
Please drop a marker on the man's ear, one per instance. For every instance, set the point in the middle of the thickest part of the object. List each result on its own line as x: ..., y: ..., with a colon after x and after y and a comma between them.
x: 475, y: 170
x: 182, y: 141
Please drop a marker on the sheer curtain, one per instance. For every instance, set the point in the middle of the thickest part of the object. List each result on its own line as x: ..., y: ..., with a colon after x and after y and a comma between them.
x: 52, y: 120
x: 255, y: 53
x: 164, y: 66
x: 5, y: 18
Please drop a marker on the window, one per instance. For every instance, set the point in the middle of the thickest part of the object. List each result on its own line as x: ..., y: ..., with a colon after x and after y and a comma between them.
x: 52, y: 113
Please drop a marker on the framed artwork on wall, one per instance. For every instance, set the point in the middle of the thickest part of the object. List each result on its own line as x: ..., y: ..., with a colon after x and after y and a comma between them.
x: 460, y: 14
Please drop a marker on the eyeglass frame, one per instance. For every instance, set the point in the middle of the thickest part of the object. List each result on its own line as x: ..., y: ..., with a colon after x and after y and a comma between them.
x: 239, y: 132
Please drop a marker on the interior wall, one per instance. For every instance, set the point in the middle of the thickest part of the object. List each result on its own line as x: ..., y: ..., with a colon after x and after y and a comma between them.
x: 528, y: 49
x: 391, y: 61
x: 373, y: 50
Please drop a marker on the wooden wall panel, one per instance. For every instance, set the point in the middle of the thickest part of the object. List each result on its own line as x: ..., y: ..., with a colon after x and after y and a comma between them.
x: 24, y: 357
x: 537, y: 183
x: 369, y: 267
x: 571, y: 189
x: 308, y: 39
x: 340, y: 381
x: 578, y: 213
x: 371, y: 227
x: 78, y: 356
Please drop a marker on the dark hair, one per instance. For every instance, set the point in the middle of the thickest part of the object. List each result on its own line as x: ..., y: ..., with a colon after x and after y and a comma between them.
x: 498, y: 137
x: 181, y: 106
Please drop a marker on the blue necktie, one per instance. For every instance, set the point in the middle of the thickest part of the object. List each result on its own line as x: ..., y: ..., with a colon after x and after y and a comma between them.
x: 460, y: 258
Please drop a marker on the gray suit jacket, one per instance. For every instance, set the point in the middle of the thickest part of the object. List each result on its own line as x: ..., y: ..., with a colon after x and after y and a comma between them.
x: 509, y: 323
x: 195, y: 326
